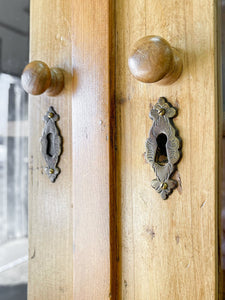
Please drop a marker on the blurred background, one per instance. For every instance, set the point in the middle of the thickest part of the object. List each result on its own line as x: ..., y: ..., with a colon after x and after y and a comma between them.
x: 14, y: 55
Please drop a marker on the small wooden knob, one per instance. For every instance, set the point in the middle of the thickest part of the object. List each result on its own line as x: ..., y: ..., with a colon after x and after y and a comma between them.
x: 152, y: 59
x: 38, y: 78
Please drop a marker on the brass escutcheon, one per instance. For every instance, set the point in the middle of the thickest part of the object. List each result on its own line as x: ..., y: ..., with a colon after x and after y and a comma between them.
x: 51, y: 144
x: 163, y: 147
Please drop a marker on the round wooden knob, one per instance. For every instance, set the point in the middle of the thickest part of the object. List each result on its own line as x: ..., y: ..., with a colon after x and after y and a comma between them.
x: 38, y: 78
x: 152, y: 59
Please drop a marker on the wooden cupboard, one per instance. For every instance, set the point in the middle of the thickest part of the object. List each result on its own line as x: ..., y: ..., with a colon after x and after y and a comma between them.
x: 100, y: 231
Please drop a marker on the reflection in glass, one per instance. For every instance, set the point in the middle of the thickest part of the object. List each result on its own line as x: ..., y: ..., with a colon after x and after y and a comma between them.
x: 14, y: 54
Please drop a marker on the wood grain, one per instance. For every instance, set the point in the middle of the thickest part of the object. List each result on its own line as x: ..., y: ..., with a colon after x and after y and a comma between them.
x: 37, y: 78
x: 91, y: 148
x: 152, y: 59
x: 168, y: 249
x: 69, y: 220
x: 51, y: 204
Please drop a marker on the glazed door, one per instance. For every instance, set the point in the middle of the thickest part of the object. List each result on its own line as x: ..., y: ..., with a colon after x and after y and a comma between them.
x: 100, y: 231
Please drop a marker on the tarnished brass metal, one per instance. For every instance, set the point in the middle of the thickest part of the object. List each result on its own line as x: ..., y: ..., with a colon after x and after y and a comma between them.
x: 50, y: 115
x: 163, y: 147
x: 51, y: 144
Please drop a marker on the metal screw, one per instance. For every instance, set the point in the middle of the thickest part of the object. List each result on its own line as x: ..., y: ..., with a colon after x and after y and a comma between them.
x: 50, y: 115
x: 162, y: 112
x: 164, y: 186
x: 51, y: 171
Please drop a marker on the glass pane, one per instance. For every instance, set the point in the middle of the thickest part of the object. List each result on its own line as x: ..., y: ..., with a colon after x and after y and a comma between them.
x: 14, y: 55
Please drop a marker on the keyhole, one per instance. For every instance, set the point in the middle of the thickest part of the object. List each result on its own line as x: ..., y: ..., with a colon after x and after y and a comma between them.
x: 161, y: 154
x: 50, y: 150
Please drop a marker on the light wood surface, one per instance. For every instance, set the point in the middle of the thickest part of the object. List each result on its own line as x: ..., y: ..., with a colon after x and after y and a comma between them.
x: 69, y: 220
x: 152, y: 59
x: 51, y: 204
x: 164, y: 249
x: 168, y: 249
x: 91, y: 148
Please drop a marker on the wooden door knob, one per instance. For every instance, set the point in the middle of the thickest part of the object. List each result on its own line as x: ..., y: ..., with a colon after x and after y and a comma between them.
x: 152, y: 59
x: 38, y: 78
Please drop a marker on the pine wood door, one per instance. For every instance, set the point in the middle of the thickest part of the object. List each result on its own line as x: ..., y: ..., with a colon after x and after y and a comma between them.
x: 100, y: 231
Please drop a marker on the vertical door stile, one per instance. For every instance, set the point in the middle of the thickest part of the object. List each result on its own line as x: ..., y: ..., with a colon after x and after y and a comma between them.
x: 92, y: 147
x: 50, y: 204
x: 169, y: 249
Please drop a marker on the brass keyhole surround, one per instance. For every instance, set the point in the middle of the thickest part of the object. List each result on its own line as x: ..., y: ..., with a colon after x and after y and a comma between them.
x: 163, y: 147
x: 51, y: 144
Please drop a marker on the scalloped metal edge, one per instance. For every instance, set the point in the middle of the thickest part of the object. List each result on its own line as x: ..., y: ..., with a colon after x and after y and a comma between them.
x: 161, y: 114
x: 50, y: 120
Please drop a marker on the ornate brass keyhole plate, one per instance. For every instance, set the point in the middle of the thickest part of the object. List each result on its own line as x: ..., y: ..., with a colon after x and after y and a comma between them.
x: 163, y: 147
x: 51, y: 144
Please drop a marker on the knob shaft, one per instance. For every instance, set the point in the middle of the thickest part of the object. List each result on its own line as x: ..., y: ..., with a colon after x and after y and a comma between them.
x: 38, y: 78
x: 152, y: 59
